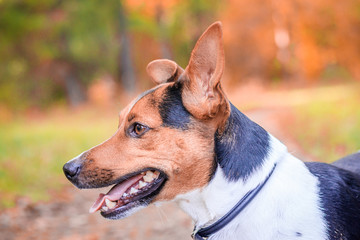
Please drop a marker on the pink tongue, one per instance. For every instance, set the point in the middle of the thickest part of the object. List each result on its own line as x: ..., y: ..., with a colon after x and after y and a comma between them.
x: 115, y: 193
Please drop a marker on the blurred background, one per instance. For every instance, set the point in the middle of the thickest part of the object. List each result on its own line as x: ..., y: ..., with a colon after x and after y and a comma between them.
x: 68, y: 67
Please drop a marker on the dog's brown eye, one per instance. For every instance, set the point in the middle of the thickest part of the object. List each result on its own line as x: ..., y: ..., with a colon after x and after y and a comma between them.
x: 138, y: 129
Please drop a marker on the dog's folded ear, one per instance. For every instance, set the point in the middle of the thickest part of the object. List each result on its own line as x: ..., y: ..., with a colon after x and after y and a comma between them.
x: 202, y: 94
x: 164, y: 70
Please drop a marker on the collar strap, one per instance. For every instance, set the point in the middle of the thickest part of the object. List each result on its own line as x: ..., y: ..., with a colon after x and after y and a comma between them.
x: 204, y: 233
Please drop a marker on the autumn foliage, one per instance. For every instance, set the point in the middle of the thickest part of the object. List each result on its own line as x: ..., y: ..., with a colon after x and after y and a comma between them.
x: 56, y: 50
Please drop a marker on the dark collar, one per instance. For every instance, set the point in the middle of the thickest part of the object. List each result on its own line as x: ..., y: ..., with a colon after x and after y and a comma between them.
x: 206, y: 232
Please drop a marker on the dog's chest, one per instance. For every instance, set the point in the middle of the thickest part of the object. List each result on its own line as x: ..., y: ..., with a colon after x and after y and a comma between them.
x: 287, y: 207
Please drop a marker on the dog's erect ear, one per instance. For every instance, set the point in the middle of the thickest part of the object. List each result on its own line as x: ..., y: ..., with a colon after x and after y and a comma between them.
x: 164, y: 70
x: 202, y: 94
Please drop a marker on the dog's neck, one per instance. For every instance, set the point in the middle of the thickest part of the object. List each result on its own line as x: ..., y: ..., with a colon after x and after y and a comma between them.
x: 245, y: 157
x: 207, y: 205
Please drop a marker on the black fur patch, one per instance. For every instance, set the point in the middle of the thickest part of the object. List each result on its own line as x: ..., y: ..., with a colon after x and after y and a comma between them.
x: 172, y: 110
x: 340, y: 200
x: 242, y: 147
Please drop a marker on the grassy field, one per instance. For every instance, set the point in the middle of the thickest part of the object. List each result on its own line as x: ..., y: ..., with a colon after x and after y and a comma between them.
x: 329, y: 129
x: 33, y: 151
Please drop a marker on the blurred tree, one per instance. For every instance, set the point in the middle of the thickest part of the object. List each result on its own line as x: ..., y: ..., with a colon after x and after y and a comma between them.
x: 54, y: 49
x: 283, y: 39
x: 160, y: 17
x: 126, y: 68
x: 21, y: 24
x: 187, y: 23
x: 249, y: 40
x: 175, y: 25
x: 87, y: 44
x: 51, y: 48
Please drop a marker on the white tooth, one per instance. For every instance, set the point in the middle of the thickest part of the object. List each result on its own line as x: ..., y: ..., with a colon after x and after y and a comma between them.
x: 149, y: 173
x: 125, y: 194
x: 142, y: 184
x: 149, y: 176
x: 133, y: 190
x: 110, y: 204
x: 147, y: 179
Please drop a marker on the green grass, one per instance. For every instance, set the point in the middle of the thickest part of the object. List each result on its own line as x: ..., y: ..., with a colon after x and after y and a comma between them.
x: 329, y: 130
x: 32, y: 153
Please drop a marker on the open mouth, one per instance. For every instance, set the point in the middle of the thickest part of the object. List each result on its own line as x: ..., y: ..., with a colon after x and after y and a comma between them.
x: 135, y: 191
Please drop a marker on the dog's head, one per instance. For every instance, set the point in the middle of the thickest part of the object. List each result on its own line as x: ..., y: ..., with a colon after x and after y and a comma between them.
x: 164, y: 145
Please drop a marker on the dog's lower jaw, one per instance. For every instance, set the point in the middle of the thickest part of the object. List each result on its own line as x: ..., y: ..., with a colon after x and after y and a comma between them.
x: 127, y: 213
x: 296, y: 214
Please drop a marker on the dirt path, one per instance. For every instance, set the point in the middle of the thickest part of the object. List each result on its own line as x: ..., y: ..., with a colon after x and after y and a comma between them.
x: 68, y: 219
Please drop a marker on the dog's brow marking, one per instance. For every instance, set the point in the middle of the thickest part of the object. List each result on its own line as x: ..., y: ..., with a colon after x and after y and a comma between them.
x: 143, y: 95
x: 131, y: 117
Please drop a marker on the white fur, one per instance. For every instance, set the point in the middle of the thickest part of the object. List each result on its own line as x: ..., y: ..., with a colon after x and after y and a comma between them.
x: 287, y: 206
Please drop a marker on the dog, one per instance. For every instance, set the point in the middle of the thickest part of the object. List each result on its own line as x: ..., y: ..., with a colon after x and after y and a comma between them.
x: 184, y: 141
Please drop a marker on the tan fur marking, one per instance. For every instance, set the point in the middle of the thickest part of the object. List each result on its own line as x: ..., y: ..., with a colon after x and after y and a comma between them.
x: 180, y: 143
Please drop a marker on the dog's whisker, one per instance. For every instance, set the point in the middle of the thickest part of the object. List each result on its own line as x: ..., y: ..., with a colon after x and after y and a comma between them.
x: 162, y: 215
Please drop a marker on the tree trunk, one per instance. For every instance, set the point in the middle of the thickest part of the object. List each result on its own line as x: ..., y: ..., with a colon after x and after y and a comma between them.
x: 74, y: 91
x: 126, y: 69
x: 164, y: 43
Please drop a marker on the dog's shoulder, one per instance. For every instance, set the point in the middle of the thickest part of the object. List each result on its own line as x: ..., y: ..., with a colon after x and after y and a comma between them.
x: 350, y: 162
x: 339, y: 192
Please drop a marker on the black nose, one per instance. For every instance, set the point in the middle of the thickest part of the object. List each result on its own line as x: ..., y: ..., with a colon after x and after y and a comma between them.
x: 72, y: 170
